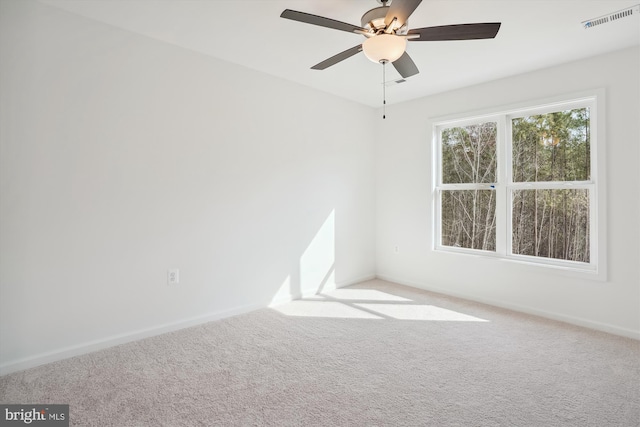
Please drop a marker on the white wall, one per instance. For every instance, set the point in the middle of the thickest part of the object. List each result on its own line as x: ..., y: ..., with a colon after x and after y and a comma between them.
x: 404, y: 211
x: 122, y: 157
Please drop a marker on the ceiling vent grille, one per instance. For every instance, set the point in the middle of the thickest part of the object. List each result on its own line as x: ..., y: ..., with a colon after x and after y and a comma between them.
x: 604, y: 19
x: 394, y: 82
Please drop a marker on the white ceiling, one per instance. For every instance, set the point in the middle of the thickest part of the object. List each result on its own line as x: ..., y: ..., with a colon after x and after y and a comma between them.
x: 534, y: 34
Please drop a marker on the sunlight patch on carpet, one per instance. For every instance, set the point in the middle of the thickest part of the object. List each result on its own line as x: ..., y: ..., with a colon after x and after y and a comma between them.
x: 318, y: 307
x: 359, y: 294
x: 419, y: 312
x: 327, y: 309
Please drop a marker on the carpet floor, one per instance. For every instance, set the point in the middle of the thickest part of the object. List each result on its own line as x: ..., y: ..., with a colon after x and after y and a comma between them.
x: 372, y: 354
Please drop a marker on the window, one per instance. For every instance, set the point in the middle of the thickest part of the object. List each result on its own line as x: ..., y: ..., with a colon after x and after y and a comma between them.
x: 520, y: 185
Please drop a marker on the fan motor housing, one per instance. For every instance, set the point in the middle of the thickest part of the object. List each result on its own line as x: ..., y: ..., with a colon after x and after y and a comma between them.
x: 373, y: 20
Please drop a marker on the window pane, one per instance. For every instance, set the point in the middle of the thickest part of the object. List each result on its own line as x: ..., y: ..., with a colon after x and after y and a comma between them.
x: 552, y: 147
x: 468, y: 219
x: 469, y: 154
x: 551, y: 224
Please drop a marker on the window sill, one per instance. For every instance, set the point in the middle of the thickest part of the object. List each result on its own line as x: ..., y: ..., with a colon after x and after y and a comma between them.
x: 543, y: 266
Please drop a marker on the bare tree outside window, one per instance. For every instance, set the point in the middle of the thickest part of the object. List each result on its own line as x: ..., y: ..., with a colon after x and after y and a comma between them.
x: 551, y: 223
x: 552, y: 147
x: 469, y: 157
x: 469, y: 219
x: 469, y: 154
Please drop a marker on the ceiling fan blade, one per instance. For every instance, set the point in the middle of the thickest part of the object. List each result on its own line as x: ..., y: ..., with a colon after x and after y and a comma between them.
x: 337, y: 58
x: 487, y: 30
x: 401, y: 10
x: 319, y: 20
x: 405, y: 66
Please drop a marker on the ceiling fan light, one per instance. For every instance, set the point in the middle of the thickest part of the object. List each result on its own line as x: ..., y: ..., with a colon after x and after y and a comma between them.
x: 384, y: 47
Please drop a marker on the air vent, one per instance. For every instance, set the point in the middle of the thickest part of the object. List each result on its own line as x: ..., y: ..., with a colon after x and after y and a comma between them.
x: 394, y: 82
x: 611, y: 17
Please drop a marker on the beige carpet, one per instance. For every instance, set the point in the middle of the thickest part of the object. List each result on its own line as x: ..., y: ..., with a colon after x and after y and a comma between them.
x: 373, y: 354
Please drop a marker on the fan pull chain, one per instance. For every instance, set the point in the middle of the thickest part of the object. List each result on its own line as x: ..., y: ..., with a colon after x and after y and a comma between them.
x: 384, y: 90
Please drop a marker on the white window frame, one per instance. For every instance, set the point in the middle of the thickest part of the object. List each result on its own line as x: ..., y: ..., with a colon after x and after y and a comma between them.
x: 504, y: 186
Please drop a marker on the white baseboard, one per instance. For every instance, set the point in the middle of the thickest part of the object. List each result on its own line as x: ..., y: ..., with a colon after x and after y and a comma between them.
x: 598, y: 326
x: 100, y: 344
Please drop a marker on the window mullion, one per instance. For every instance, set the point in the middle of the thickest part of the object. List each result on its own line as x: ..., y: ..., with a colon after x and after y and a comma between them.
x: 551, y: 185
x: 502, y: 180
x: 436, y: 177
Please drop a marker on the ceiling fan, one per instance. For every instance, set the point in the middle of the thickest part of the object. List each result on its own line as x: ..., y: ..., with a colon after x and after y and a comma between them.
x: 386, y: 31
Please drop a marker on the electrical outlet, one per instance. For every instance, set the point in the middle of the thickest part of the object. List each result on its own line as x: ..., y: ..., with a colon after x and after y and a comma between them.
x: 396, y: 249
x: 173, y: 276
